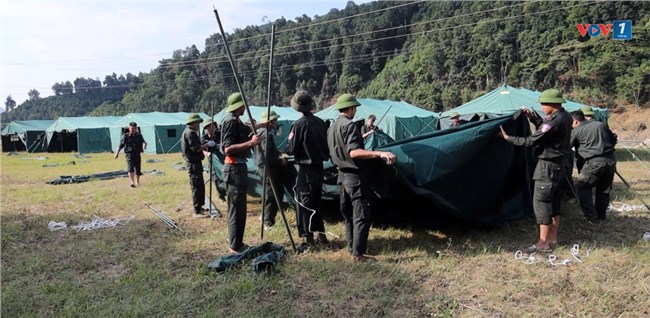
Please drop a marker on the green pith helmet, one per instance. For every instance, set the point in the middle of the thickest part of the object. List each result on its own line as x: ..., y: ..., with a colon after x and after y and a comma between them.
x: 587, y: 110
x: 454, y: 115
x: 207, y: 122
x: 235, y: 101
x: 346, y: 100
x: 266, y: 118
x: 302, y: 102
x: 551, y: 96
x: 194, y: 118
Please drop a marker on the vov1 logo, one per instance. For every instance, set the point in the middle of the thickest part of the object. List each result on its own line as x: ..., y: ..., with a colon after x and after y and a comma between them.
x: 620, y: 29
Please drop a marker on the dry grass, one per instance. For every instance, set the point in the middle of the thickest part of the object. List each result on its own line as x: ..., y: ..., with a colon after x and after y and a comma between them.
x: 146, y: 269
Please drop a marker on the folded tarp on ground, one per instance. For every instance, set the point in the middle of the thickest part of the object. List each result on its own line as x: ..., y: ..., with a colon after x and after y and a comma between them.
x: 265, y: 258
x: 97, y: 176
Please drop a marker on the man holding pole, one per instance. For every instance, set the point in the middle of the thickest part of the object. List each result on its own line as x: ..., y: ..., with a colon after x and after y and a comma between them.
x: 307, y: 142
x: 236, y: 145
x: 211, y: 133
x: 277, y: 167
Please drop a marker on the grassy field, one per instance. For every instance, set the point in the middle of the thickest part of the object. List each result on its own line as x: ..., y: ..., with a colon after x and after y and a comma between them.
x: 144, y: 269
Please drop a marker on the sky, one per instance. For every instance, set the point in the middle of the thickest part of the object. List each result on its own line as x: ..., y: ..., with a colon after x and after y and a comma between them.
x: 44, y: 42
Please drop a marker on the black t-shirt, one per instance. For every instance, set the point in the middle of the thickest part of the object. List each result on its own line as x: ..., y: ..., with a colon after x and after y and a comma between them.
x: 307, y: 141
x: 132, y: 144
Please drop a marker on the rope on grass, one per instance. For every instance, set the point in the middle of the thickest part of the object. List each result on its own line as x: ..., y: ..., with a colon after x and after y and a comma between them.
x: 621, y: 207
x: 529, y: 259
x: 101, y: 223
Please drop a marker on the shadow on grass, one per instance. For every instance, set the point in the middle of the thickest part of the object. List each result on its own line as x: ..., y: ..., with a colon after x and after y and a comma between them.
x: 434, y: 232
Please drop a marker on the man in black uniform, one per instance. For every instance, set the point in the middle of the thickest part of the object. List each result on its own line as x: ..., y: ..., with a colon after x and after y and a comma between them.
x: 192, y: 150
x: 307, y: 142
x: 133, y: 144
x: 236, y: 145
x: 595, y: 143
x: 369, y: 127
x: 278, y: 167
x: 348, y: 154
x: 552, y: 135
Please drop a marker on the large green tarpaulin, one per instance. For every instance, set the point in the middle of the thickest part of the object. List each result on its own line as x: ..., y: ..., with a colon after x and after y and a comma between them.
x: 161, y: 131
x: 465, y: 172
x: 506, y: 100
x: 80, y: 134
x: 26, y: 135
x: 399, y: 120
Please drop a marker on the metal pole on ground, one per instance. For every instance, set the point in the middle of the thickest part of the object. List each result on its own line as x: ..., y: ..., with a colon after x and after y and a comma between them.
x: 248, y: 111
x: 633, y: 192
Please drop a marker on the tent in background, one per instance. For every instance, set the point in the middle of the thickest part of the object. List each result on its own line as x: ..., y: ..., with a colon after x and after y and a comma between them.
x: 161, y: 131
x: 506, y: 100
x: 287, y: 116
x: 26, y: 135
x: 80, y: 134
x: 399, y: 120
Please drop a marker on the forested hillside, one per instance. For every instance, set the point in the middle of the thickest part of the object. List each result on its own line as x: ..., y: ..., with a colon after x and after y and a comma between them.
x: 433, y: 54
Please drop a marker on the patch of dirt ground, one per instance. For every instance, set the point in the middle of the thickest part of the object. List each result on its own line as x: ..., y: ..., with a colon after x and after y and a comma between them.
x: 631, y: 125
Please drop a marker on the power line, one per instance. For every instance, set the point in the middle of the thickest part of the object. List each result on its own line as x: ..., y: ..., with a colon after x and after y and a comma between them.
x: 326, y: 62
x: 198, y: 61
x: 116, y: 59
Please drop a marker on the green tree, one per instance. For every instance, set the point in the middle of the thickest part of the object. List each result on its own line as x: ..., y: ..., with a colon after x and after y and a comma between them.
x: 632, y: 85
x: 33, y: 94
x: 10, y: 103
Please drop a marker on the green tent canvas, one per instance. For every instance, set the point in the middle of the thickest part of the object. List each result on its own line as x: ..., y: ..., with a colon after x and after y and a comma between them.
x: 467, y: 173
x: 399, y: 120
x: 80, y: 134
x: 25, y: 135
x: 161, y: 131
x: 255, y: 187
x: 506, y: 100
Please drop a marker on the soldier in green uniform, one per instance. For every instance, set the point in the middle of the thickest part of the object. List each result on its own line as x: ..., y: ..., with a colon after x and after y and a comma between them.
x: 278, y: 167
x: 351, y: 158
x: 369, y: 128
x: 595, y: 143
x: 192, y: 150
x: 236, y: 145
x: 552, y: 135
